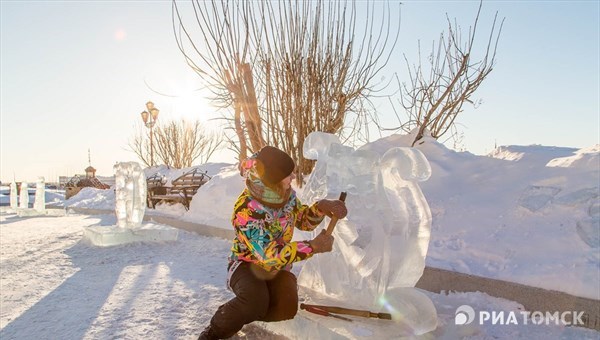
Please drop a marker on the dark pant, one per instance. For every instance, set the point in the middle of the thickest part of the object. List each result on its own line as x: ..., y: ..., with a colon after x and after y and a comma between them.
x: 256, y: 298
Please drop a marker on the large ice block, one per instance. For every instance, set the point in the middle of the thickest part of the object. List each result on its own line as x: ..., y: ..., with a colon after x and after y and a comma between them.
x: 31, y: 212
x: 381, y: 245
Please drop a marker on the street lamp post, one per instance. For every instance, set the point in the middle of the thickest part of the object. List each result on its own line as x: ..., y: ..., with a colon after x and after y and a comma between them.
x: 150, y: 117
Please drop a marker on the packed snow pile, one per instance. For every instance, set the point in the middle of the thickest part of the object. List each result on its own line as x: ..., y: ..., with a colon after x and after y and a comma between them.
x: 93, y: 198
x: 531, y: 153
x: 586, y: 158
x: 519, y: 218
x: 213, y: 203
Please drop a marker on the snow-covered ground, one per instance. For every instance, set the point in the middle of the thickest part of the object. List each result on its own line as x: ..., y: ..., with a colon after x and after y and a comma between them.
x: 54, y: 286
x: 526, y: 214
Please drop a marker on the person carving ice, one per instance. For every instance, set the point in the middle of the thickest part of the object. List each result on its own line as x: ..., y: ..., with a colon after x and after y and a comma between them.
x: 264, y: 217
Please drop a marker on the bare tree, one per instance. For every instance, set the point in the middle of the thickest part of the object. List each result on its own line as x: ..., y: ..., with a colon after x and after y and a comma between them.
x: 140, y: 144
x: 178, y: 144
x: 433, y: 98
x: 288, y: 68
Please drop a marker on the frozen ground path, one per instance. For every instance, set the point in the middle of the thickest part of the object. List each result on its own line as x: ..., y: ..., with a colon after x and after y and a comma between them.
x: 54, y: 286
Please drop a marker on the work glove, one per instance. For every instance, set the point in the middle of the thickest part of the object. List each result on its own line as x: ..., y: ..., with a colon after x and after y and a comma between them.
x: 333, y: 208
x: 322, y: 243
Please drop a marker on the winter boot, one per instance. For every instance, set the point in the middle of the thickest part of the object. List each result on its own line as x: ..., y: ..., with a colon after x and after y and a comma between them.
x: 207, y: 334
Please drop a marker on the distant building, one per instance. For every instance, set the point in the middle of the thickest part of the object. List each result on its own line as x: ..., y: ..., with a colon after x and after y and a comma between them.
x: 74, y: 185
x: 108, y: 180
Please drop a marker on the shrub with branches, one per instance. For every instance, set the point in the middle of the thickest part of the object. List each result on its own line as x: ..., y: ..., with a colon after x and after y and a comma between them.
x: 177, y: 144
x: 434, y: 95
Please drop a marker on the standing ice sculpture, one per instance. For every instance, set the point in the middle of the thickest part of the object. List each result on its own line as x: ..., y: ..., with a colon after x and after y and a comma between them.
x: 380, y: 248
x: 130, y: 191
x: 13, y: 196
x: 39, y: 205
x: 130, y: 206
x: 24, y: 196
x: 40, y: 196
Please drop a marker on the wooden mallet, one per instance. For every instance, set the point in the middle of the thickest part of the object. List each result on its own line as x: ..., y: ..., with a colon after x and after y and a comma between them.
x: 333, y: 218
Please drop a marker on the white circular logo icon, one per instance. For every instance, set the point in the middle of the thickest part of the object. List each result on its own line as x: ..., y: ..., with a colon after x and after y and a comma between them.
x: 464, y: 315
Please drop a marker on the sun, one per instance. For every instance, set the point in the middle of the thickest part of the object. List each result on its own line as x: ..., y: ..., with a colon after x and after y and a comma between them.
x: 120, y: 34
x: 192, y: 106
x: 186, y: 97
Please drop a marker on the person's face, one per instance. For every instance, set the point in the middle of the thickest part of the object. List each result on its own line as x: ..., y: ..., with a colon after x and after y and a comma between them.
x: 286, y: 183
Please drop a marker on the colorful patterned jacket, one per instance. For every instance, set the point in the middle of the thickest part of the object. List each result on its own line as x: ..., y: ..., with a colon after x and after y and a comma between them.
x: 264, y: 234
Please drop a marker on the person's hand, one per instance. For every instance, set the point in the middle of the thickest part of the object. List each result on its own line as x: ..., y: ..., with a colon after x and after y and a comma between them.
x: 322, y: 243
x: 333, y: 208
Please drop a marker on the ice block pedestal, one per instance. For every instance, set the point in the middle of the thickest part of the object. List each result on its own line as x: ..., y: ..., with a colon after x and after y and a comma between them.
x: 35, y: 213
x: 130, y: 206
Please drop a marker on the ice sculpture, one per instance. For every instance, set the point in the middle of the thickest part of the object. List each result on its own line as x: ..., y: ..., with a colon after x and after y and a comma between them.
x: 39, y: 205
x: 130, y: 206
x: 13, y: 196
x: 24, y: 196
x: 40, y: 196
x: 380, y: 247
x: 130, y: 194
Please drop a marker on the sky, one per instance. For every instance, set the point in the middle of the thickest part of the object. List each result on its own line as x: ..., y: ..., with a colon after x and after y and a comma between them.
x: 73, y: 73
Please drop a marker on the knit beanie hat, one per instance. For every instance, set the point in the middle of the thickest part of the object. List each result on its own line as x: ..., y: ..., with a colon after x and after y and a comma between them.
x: 276, y: 165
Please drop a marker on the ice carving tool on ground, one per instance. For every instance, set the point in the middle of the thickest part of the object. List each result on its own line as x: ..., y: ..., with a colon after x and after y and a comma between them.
x: 334, y: 219
x: 323, y: 312
x: 349, y: 311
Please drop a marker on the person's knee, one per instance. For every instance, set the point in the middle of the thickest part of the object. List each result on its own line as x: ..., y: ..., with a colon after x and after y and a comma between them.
x: 285, y: 309
x: 293, y: 305
x: 289, y: 310
x: 287, y: 296
x: 256, y: 304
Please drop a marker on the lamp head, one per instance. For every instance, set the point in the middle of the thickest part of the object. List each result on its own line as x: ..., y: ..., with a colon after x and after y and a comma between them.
x: 145, y: 116
x: 154, y: 113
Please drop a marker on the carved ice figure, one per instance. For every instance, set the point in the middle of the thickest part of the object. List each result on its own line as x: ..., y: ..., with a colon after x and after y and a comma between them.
x: 130, y: 206
x: 380, y: 247
x: 130, y: 192
x: 24, y: 196
x: 40, y: 196
x: 13, y: 196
